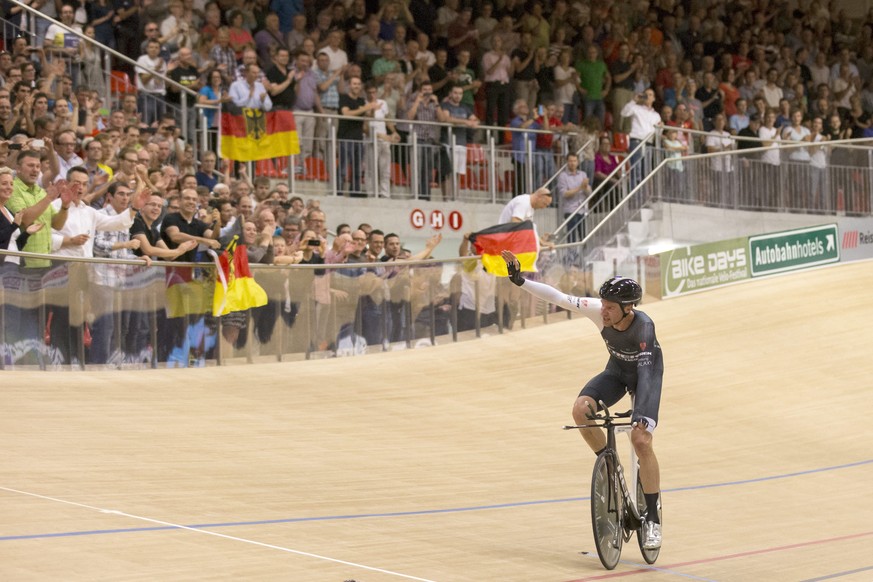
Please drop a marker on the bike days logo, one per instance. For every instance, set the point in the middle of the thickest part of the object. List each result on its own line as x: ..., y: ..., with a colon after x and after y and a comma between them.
x: 702, y: 266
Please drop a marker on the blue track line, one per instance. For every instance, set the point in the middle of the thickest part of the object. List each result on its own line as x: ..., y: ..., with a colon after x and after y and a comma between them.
x: 418, y: 512
x: 839, y: 574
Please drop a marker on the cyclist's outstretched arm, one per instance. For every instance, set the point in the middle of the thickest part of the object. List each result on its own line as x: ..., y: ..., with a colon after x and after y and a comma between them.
x: 587, y: 306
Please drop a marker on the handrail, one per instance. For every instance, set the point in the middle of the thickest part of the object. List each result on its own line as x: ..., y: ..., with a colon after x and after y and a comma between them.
x: 662, y: 128
x: 564, y: 165
x: 600, y: 187
x: 254, y: 266
x: 645, y: 180
x: 396, y: 120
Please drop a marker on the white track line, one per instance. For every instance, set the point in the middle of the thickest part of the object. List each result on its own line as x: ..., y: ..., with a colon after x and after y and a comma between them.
x: 216, y: 534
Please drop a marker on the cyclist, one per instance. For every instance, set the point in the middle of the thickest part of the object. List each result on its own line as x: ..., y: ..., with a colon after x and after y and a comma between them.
x: 635, y: 365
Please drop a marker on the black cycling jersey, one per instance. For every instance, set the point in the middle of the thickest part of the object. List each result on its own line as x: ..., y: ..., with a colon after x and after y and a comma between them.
x: 635, y: 361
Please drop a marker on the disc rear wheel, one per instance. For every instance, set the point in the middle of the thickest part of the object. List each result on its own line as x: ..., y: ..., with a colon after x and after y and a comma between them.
x: 606, y: 512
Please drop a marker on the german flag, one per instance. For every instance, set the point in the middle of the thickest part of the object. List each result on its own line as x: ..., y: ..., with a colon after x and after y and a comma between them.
x: 235, y: 288
x: 254, y: 134
x: 518, y: 237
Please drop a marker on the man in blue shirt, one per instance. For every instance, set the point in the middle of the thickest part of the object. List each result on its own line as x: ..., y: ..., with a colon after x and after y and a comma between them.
x: 521, y: 142
x: 454, y: 155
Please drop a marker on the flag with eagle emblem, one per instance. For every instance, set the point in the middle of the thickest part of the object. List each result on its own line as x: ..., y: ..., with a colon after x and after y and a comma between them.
x: 253, y: 134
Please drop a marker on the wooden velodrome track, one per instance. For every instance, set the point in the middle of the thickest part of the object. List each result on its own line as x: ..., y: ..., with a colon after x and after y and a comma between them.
x: 448, y: 463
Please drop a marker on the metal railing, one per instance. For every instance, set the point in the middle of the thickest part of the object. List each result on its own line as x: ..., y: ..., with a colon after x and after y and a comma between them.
x: 490, y: 170
x: 734, y: 179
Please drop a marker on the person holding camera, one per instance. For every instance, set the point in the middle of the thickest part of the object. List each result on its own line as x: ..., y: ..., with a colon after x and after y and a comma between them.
x: 423, y: 106
x: 643, y: 121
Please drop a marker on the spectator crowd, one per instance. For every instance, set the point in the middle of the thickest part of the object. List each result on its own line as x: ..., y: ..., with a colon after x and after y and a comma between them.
x: 116, y: 179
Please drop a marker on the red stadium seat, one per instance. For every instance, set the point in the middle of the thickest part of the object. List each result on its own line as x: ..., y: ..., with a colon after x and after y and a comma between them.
x: 398, y: 176
x: 119, y: 83
x: 314, y: 169
x: 620, y: 142
x: 475, y: 154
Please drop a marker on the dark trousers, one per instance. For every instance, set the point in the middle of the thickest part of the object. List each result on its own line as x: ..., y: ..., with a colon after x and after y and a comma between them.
x: 498, y: 103
x: 576, y: 227
x: 428, y: 160
x: 351, y: 154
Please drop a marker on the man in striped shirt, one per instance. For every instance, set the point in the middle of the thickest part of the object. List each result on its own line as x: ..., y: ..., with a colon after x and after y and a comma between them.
x: 422, y: 106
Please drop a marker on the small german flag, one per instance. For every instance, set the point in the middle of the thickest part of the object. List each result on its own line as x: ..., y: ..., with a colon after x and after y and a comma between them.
x: 254, y: 134
x: 518, y: 237
x: 235, y: 288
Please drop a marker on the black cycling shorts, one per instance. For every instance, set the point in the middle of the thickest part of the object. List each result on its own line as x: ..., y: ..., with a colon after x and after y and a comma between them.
x: 611, y: 387
x: 605, y: 386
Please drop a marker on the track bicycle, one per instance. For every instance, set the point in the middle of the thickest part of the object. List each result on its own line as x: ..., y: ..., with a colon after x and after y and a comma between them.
x: 615, y: 513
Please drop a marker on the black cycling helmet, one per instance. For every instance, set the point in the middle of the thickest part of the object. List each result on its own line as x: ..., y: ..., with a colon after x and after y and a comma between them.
x: 622, y: 290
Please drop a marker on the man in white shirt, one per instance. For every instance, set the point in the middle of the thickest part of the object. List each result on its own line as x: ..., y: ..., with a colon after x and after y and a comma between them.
x: 249, y: 92
x: 522, y: 207
x: 338, y: 57
x: 772, y: 92
x: 643, y: 117
x: 643, y: 121
x: 76, y: 237
x: 770, y: 178
x: 151, y: 89
x: 65, y: 150
x: 60, y: 42
x: 379, y: 156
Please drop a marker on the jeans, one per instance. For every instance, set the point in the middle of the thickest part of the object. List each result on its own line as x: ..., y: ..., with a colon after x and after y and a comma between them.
x: 637, y: 163
x: 576, y: 227
x: 351, y: 154
x: 152, y: 106
x: 544, y: 167
x: 595, y: 107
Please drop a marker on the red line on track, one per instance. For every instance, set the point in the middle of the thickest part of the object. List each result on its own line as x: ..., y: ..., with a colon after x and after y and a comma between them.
x: 727, y: 557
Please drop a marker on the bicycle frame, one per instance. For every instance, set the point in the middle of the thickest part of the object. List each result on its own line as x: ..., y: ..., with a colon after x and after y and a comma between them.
x: 630, y: 501
x: 610, y: 494
x: 634, y: 461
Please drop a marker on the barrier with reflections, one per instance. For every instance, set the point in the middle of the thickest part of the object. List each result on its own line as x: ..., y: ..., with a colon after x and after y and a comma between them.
x: 96, y: 313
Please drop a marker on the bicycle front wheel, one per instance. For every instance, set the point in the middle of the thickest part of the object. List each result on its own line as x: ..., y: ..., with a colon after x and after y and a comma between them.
x: 606, y: 511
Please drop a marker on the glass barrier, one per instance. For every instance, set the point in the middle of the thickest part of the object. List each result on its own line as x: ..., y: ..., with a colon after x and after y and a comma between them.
x: 98, y: 314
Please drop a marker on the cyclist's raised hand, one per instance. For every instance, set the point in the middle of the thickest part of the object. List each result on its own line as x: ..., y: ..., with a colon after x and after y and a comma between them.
x: 513, y: 267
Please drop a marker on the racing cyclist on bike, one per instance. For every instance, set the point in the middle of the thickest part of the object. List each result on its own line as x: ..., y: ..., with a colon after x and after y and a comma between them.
x: 635, y: 366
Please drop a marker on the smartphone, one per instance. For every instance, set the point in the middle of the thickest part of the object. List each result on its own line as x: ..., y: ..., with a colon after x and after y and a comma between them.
x: 15, y: 146
x: 37, y: 143
x: 314, y: 242
x: 540, y: 109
